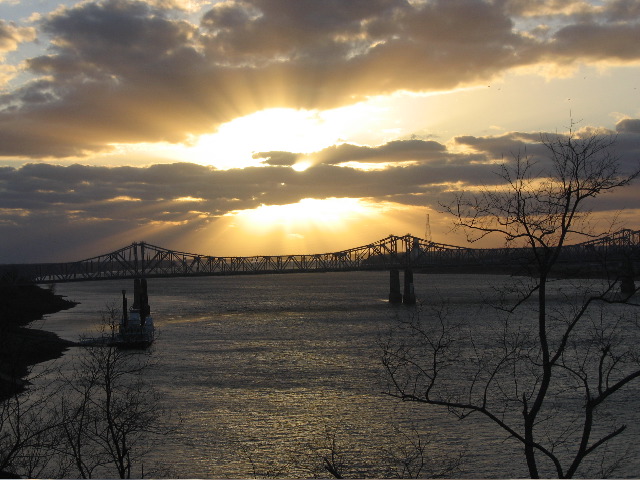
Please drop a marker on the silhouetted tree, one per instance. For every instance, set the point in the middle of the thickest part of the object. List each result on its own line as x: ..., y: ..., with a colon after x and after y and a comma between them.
x: 109, y: 412
x: 27, y: 428
x: 332, y: 455
x: 27, y: 435
x: 545, y: 376
x: 407, y: 455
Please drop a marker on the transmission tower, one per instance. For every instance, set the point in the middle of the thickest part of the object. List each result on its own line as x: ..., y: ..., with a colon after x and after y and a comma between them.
x: 427, y: 230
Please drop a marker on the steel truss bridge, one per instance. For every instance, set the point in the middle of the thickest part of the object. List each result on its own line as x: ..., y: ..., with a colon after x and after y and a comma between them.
x: 142, y: 259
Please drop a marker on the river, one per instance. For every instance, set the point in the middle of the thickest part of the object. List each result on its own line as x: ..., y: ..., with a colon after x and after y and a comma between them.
x: 260, y: 372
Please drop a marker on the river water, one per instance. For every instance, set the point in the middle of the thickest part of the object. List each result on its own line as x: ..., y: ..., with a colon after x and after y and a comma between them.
x: 261, y: 372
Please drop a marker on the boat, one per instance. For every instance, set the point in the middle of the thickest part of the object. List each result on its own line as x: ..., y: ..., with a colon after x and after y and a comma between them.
x: 136, y: 329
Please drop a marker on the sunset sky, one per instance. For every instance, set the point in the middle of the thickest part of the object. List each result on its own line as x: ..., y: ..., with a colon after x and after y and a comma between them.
x: 248, y: 127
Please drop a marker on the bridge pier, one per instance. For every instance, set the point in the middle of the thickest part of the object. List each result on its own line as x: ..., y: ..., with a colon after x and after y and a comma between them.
x: 136, y: 293
x: 394, y: 286
x: 409, y: 297
x: 627, y: 283
x: 125, y: 310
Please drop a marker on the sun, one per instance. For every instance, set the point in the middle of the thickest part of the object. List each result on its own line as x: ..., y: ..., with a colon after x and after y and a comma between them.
x: 235, y: 143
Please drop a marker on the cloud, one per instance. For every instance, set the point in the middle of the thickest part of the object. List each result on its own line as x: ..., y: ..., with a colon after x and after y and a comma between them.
x: 504, y: 146
x: 266, y: 31
x: 551, y: 8
x: 628, y: 125
x: 80, y: 204
x: 395, y: 151
x: 623, y: 10
x: 114, y: 71
x: 511, y: 145
x: 286, y: 159
x: 12, y: 35
x: 126, y: 71
x: 597, y: 42
x: 44, y: 186
x: 391, y: 152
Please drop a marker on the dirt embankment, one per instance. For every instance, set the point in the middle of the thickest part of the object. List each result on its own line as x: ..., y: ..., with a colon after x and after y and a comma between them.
x: 22, y: 347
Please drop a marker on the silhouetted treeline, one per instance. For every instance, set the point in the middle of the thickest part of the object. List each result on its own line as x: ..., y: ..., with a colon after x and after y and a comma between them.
x: 22, y: 347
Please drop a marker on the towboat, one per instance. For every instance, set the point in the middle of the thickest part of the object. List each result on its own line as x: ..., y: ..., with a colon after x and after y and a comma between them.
x: 136, y: 329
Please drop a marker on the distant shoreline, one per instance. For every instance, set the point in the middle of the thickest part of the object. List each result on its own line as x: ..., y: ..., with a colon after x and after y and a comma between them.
x: 20, y: 346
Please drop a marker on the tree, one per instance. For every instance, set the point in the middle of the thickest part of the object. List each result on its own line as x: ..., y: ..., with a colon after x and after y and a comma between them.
x: 404, y: 454
x: 108, y: 412
x: 409, y: 454
x: 27, y: 429
x: 27, y: 434
x: 542, y: 379
x: 97, y: 421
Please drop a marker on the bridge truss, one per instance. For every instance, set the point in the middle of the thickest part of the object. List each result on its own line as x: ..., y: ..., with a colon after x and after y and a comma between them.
x: 144, y: 259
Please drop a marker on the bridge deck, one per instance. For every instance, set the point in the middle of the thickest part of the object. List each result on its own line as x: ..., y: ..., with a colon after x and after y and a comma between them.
x: 143, y: 259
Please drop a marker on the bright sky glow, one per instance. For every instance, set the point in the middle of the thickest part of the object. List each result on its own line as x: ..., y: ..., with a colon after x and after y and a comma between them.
x: 295, y: 218
x: 306, y: 226
x: 234, y: 144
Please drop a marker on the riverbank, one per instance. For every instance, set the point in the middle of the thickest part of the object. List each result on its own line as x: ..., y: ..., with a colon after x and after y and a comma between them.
x: 20, y: 346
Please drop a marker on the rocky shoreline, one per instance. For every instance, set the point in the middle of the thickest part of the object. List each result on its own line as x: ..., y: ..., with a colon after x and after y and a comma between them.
x: 22, y: 347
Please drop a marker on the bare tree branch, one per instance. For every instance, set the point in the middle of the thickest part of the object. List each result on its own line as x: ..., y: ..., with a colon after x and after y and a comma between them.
x: 518, y: 380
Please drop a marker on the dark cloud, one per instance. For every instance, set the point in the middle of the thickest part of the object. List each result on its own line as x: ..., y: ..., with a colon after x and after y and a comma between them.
x: 628, y: 142
x: 125, y: 71
x: 116, y: 70
x: 628, y: 125
x: 391, y: 152
x: 507, y: 146
x: 598, y: 42
x: 579, y: 11
x: 395, y: 151
x: 623, y: 10
x: 286, y: 159
x: 140, y: 194
x: 262, y: 31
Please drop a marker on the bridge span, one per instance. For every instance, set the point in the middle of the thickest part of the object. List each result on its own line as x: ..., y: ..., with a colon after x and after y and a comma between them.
x: 393, y: 252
